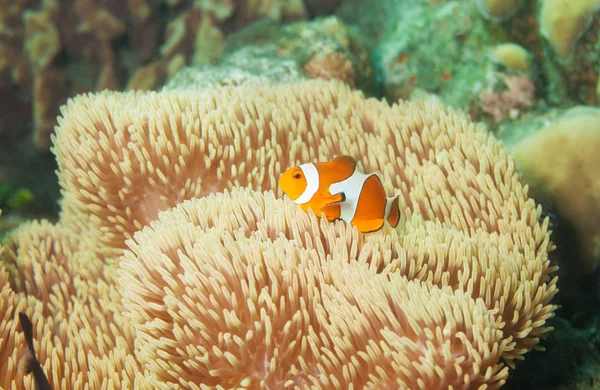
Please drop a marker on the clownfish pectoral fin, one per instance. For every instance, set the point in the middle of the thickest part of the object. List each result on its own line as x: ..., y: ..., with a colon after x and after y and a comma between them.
x: 334, y: 199
x: 368, y: 225
x: 331, y: 212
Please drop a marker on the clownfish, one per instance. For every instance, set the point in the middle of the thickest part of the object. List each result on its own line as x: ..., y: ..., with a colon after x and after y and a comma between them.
x: 338, y: 189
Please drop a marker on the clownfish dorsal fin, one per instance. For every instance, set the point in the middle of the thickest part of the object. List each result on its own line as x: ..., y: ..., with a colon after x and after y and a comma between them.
x: 347, y: 161
x: 336, y: 170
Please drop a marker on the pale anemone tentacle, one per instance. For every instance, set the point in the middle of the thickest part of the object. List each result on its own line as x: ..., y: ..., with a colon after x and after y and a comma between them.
x: 245, y: 289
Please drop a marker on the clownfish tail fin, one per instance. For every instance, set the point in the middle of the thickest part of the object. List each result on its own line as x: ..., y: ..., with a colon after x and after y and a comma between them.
x: 392, y: 211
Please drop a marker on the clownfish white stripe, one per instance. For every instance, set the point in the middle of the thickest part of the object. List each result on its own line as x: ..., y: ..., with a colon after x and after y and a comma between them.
x: 351, y: 187
x: 388, y: 207
x: 311, y: 174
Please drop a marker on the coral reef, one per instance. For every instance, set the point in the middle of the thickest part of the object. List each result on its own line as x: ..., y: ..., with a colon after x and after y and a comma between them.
x: 58, y: 49
x: 555, y: 152
x: 513, y: 56
x: 498, y: 10
x: 563, y: 24
x: 466, y: 274
x: 264, y: 52
x: 484, y: 71
x: 331, y: 65
x: 259, y: 65
x: 514, y: 94
x: 439, y: 48
x: 571, y: 53
x: 426, y: 31
x: 561, y: 161
x: 53, y: 49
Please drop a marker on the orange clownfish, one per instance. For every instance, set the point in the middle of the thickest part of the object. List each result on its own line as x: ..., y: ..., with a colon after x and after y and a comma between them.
x: 338, y: 189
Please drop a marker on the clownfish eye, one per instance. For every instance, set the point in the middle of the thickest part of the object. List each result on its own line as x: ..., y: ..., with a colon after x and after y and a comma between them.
x: 297, y: 176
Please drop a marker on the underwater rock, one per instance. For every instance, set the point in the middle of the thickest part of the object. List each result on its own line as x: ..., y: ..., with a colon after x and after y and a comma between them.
x: 570, y: 361
x: 449, y: 50
x: 504, y: 96
x: 115, y: 44
x: 572, y: 51
x: 453, y: 49
x: 561, y: 161
x: 563, y: 24
x: 321, y: 7
x: 513, y: 56
x: 563, y: 38
x: 373, y: 18
x: 553, y: 150
x: 265, y: 52
x: 498, y: 10
x: 247, y: 65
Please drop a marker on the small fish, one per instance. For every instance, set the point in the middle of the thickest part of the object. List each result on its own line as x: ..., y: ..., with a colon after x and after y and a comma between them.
x: 338, y: 189
x: 32, y: 364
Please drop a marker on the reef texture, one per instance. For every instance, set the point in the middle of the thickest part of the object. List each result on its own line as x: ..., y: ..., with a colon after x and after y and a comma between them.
x: 561, y: 161
x: 570, y: 58
x: 266, y: 52
x: 53, y: 49
x: 497, y: 60
x: 242, y: 288
x: 446, y: 49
